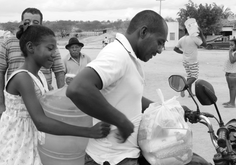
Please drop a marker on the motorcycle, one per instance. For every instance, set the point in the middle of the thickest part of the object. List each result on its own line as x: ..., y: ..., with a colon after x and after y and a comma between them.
x: 224, y: 139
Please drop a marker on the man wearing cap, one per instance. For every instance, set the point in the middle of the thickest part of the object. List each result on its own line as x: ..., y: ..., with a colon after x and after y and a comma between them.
x: 75, y: 61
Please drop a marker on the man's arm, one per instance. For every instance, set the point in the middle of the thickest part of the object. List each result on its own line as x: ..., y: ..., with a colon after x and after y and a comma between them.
x: 84, y: 91
x: 3, y: 69
x: 60, y: 79
x: 145, y: 103
x: 176, y: 49
x: 201, y: 35
x: 58, y: 69
x: 2, y: 98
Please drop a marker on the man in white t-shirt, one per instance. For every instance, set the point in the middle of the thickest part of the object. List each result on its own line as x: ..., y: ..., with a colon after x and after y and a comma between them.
x: 110, y: 89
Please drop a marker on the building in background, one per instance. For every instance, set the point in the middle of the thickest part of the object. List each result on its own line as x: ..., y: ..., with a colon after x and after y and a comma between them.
x: 173, y: 34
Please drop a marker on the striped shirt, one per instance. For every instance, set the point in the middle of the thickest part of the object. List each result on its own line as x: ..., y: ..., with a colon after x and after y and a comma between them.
x: 11, y: 58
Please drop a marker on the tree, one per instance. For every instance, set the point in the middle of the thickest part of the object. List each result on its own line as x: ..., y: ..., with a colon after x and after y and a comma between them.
x: 65, y: 27
x: 169, y: 19
x: 10, y: 26
x: 208, y: 17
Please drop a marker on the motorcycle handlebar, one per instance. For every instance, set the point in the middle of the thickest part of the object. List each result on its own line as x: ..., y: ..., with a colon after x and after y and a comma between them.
x: 222, y: 137
x: 202, y: 117
x: 193, y: 116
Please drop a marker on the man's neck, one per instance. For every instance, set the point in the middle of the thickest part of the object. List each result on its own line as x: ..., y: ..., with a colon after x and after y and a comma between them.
x: 76, y: 57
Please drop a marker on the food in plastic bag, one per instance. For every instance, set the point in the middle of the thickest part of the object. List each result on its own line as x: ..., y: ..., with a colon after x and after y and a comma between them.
x: 164, y: 137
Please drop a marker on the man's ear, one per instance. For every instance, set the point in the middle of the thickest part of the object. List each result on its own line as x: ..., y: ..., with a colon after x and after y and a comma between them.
x: 143, y: 31
x: 30, y: 47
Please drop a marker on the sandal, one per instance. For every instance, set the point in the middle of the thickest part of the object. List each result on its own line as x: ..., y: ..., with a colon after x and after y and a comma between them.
x: 226, y: 103
x: 229, y: 106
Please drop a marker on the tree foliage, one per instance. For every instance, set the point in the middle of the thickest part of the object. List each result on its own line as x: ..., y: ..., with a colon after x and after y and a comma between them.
x: 67, y: 26
x: 208, y: 17
x: 169, y: 19
x: 10, y: 26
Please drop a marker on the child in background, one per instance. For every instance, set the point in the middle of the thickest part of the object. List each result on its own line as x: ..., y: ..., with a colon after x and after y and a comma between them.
x: 105, y: 41
x: 24, y: 115
x: 230, y: 74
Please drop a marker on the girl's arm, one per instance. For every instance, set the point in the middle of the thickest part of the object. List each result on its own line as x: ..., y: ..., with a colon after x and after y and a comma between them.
x: 232, y: 56
x: 24, y: 85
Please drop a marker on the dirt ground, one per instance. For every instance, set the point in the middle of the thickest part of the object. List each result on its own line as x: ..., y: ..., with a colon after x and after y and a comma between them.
x: 159, y: 68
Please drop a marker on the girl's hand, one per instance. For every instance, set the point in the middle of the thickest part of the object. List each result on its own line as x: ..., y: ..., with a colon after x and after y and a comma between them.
x: 100, y: 130
x: 50, y: 87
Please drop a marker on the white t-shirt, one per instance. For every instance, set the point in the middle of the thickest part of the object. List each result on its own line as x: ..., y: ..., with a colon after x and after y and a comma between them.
x: 123, y: 82
x: 189, y: 45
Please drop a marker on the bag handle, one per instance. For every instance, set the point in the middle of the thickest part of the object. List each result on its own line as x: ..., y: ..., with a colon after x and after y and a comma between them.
x: 160, y: 94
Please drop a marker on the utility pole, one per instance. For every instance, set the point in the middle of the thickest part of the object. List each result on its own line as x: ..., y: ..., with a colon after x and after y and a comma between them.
x: 160, y: 6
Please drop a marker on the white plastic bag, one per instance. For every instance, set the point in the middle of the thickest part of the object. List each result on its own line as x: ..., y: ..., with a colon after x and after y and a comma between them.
x: 57, y: 101
x: 164, y: 137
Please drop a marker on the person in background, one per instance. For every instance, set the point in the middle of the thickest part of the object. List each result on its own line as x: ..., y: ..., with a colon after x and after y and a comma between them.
x: 188, y: 46
x: 230, y: 74
x: 12, y: 57
x: 75, y: 61
x: 105, y: 41
x: 24, y: 115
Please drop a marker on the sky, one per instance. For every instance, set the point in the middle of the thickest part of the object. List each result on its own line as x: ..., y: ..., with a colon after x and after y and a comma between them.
x: 101, y: 10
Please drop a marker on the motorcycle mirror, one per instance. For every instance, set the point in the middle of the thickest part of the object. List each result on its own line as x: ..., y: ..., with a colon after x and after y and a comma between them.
x: 206, y: 95
x: 205, y: 92
x: 177, y: 82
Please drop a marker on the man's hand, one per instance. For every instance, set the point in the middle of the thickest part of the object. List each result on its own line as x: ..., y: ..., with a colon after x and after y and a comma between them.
x: 125, y: 131
x: 200, y: 30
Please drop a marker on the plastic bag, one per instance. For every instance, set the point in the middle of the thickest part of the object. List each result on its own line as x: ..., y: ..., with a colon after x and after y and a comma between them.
x: 164, y: 137
x: 57, y: 100
x: 58, y: 106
